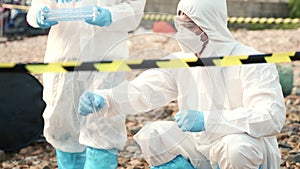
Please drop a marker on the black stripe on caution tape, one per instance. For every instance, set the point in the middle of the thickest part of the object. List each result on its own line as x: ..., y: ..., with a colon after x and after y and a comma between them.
x: 129, y: 65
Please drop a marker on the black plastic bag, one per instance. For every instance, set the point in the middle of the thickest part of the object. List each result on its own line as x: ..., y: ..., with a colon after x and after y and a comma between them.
x: 21, y: 108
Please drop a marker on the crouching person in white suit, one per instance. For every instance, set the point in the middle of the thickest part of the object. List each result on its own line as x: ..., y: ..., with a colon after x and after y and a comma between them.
x: 229, y: 116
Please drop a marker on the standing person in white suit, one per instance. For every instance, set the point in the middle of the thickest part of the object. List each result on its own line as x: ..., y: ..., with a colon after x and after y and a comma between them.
x: 229, y: 116
x: 88, y: 142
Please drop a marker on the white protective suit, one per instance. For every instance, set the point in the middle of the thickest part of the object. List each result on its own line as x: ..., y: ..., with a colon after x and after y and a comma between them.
x: 80, y: 41
x: 243, y: 105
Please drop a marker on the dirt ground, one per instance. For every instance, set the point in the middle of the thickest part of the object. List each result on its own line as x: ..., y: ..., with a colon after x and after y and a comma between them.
x: 41, y: 155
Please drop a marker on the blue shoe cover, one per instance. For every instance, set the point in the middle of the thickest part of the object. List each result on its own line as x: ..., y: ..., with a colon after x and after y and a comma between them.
x: 66, y: 160
x: 177, y: 163
x: 101, y: 159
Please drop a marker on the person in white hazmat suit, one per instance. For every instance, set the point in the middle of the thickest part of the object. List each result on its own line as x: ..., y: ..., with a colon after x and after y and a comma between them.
x: 89, y: 142
x: 228, y: 116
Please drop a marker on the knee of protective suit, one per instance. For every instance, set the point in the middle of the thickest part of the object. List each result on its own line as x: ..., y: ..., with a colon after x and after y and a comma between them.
x: 158, y: 139
x: 178, y: 162
x: 101, y: 158
x: 66, y: 160
x: 237, y: 151
x: 241, y: 156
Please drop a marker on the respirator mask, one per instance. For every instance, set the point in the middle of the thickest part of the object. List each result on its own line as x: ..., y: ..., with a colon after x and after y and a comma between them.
x: 189, y: 36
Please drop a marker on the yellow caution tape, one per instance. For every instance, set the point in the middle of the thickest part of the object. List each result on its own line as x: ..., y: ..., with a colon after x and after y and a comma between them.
x: 129, y: 65
x: 13, y: 6
x: 238, y: 20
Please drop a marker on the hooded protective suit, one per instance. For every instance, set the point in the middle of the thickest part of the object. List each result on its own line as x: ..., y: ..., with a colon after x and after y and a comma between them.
x: 80, y: 41
x: 243, y: 105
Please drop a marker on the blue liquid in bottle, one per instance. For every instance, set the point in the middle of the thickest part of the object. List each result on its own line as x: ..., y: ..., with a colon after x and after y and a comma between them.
x: 70, y: 14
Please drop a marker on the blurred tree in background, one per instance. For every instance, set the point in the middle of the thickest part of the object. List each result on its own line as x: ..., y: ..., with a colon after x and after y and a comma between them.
x: 294, y: 8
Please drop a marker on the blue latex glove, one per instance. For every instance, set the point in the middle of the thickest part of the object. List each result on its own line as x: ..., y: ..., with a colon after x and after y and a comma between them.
x: 102, y: 19
x: 190, y: 120
x: 89, y: 103
x: 42, y: 23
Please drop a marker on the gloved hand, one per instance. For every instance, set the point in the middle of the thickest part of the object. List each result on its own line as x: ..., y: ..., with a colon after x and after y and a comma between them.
x: 102, y: 19
x: 43, y: 23
x: 90, y: 102
x: 190, y: 120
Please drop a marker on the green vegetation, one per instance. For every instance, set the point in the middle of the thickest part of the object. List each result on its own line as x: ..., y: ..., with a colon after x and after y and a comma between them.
x: 259, y: 26
x: 294, y: 8
x: 273, y: 26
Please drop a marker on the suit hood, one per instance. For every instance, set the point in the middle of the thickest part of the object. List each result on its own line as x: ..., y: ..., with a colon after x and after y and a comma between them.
x: 211, y: 17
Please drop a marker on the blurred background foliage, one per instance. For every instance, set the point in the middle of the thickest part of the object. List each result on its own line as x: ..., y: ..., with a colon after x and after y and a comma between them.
x: 294, y: 8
